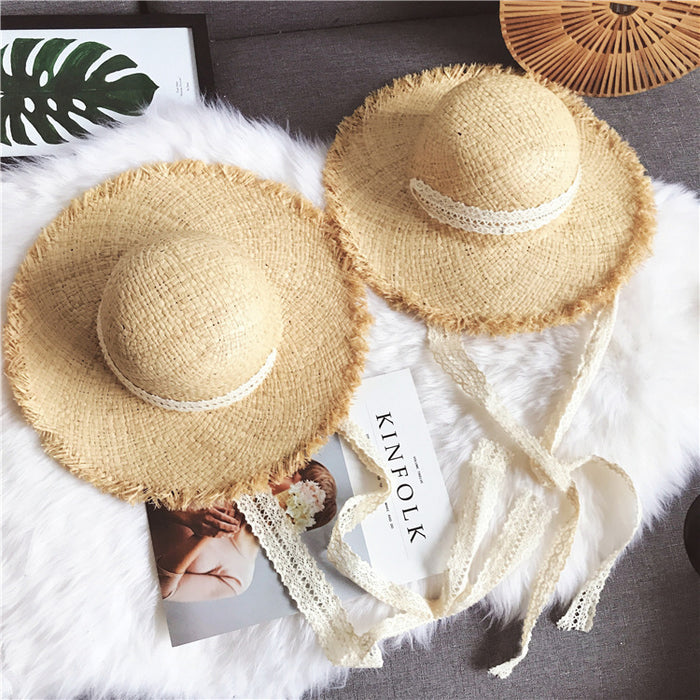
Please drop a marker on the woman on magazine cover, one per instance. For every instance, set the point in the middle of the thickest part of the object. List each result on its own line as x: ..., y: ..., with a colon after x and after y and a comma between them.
x: 209, y: 554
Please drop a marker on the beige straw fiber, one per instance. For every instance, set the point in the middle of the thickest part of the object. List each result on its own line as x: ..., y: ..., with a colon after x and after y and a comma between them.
x: 487, y: 201
x: 230, y: 309
x: 185, y: 333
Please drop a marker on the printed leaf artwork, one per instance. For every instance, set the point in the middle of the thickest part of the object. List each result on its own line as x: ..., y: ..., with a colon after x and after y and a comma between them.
x: 44, y: 94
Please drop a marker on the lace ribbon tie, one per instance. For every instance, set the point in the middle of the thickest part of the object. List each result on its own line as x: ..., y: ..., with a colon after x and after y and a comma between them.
x: 528, y: 520
x: 551, y: 472
x: 307, y: 584
x: 527, y: 524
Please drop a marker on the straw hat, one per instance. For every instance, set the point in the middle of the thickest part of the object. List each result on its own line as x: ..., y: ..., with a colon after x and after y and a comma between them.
x: 185, y: 333
x: 487, y: 201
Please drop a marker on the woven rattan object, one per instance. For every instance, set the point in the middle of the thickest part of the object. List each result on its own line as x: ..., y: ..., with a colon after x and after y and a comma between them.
x: 604, y: 49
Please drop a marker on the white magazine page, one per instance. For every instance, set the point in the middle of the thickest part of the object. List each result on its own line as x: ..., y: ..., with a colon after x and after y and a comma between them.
x: 409, y: 537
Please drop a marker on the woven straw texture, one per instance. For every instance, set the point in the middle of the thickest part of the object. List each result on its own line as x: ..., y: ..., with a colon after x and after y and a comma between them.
x: 604, y: 48
x: 188, y: 320
x: 507, y: 144
x: 310, y: 305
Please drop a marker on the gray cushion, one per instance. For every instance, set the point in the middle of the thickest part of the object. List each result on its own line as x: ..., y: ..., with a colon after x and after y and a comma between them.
x: 66, y: 7
x: 228, y: 20
x: 661, y: 125
x: 310, y: 80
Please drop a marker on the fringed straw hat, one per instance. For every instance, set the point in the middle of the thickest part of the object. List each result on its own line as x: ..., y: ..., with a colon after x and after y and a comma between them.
x: 184, y: 333
x: 491, y: 202
x: 487, y: 201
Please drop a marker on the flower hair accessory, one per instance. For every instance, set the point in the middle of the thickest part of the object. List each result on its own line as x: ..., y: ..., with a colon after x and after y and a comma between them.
x: 301, y: 502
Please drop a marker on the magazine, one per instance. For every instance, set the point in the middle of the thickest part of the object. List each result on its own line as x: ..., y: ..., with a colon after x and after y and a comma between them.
x: 228, y: 583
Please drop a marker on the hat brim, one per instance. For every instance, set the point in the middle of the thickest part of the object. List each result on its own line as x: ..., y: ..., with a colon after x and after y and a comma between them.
x: 469, y: 281
x: 96, y: 428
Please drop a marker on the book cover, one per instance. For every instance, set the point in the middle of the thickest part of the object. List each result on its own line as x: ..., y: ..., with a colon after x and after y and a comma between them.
x: 214, y: 577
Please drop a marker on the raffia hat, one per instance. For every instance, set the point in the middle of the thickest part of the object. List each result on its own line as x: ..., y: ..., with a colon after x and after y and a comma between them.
x: 487, y: 201
x: 184, y: 333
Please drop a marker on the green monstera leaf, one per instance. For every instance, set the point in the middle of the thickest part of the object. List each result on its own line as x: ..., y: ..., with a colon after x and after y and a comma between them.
x: 43, y: 94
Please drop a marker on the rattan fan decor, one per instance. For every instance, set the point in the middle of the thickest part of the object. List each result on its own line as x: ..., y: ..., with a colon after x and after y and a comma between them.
x: 604, y: 48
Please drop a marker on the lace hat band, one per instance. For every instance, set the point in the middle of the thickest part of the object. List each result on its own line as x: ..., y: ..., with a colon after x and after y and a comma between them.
x: 490, y: 221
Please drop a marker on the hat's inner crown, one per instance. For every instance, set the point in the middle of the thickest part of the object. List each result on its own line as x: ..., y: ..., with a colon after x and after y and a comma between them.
x: 498, y: 142
x: 187, y: 319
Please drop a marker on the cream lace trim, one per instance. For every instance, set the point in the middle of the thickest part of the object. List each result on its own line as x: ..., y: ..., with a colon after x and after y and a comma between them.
x: 231, y: 397
x: 490, y: 221
x: 306, y: 583
x: 486, y: 470
x: 550, y: 471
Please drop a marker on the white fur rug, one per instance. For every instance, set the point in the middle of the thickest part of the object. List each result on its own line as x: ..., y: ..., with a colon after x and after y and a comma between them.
x: 80, y: 600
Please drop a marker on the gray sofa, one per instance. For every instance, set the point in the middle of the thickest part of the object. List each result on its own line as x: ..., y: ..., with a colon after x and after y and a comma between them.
x: 308, y: 64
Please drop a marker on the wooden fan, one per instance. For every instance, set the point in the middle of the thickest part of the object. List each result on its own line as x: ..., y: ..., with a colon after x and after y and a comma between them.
x: 604, y: 48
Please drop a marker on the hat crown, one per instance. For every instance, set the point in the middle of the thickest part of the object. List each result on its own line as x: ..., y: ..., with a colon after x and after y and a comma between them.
x: 498, y: 142
x: 187, y: 319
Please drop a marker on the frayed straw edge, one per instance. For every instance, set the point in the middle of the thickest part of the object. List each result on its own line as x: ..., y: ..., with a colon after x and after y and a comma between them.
x: 361, y: 320
x: 640, y: 246
x: 132, y: 491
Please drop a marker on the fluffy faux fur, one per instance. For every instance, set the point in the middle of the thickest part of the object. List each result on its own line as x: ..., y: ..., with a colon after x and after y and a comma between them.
x: 80, y: 602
